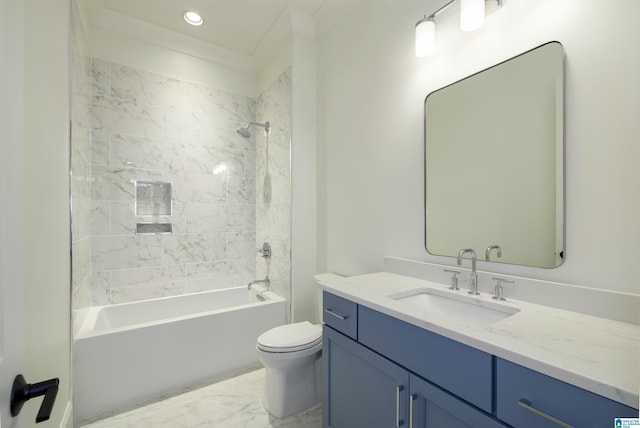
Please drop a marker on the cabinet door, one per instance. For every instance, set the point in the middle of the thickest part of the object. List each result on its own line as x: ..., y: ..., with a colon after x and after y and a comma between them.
x: 432, y: 407
x: 460, y: 369
x: 525, y: 397
x: 361, y: 388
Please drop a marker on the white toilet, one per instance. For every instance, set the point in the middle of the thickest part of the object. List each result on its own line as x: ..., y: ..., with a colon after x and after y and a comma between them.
x: 291, y: 355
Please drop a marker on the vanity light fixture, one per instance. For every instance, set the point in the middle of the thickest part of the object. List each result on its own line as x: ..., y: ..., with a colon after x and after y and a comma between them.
x: 426, y: 33
x: 425, y: 36
x: 192, y: 17
x: 472, y: 13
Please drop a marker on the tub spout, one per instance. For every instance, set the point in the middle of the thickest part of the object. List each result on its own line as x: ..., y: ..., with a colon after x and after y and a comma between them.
x: 266, y: 281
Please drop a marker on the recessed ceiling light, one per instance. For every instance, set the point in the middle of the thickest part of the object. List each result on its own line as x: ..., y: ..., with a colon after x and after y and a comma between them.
x: 192, y: 17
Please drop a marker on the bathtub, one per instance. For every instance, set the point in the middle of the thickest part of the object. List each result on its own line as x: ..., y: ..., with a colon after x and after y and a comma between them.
x: 132, y: 353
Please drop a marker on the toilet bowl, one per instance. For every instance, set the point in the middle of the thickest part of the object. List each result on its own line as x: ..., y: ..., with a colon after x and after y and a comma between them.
x: 291, y: 356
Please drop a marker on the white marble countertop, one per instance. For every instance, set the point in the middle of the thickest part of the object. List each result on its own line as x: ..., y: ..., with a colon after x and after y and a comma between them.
x: 596, y: 354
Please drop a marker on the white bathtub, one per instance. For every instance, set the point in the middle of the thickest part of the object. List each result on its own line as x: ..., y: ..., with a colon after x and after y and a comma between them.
x: 132, y: 353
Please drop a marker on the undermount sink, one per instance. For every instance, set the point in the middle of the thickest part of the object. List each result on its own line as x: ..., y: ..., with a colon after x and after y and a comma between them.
x: 454, y: 307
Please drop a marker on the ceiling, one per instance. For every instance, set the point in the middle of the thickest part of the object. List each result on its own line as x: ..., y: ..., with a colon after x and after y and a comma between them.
x: 236, y: 25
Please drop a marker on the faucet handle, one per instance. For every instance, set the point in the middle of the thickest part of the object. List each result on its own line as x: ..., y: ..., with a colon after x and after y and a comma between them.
x: 498, y: 293
x: 454, y: 279
x: 265, y: 250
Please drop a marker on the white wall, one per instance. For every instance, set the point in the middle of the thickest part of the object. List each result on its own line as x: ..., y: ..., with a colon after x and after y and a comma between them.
x: 371, y: 90
x: 303, y: 170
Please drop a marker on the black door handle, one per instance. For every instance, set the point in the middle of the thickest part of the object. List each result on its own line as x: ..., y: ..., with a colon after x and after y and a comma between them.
x: 23, y: 391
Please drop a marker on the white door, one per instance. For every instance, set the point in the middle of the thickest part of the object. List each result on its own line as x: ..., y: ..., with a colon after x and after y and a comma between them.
x: 34, y: 278
x: 11, y: 314
x: 11, y: 259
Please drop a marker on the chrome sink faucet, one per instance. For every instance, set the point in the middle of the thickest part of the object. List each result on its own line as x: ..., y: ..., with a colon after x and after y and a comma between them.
x: 266, y: 281
x: 487, y: 252
x: 473, y: 278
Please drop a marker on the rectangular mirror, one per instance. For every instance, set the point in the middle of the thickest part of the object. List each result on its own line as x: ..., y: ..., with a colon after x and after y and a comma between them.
x: 494, y: 145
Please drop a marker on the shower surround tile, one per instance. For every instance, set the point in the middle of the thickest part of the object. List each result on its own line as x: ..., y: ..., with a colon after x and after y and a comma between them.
x: 80, y: 152
x: 198, y: 188
x: 211, y: 159
x: 145, y: 87
x: 273, y: 203
x: 148, y: 126
x: 127, y: 116
x: 240, y: 244
x: 195, y: 248
x: 100, y: 147
x: 100, y: 288
x: 101, y: 77
x: 218, y: 275
x: 146, y: 152
x: 241, y: 190
x: 119, y: 252
x: 123, y: 293
x: 195, y: 127
x: 203, y: 218
x: 118, y: 184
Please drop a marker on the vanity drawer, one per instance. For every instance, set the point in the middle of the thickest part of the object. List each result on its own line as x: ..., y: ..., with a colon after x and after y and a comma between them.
x: 341, y: 314
x: 524, y: 397
x: 460, y: 369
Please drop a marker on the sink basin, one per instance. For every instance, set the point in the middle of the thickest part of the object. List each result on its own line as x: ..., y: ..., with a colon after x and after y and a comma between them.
x: 454, y: 307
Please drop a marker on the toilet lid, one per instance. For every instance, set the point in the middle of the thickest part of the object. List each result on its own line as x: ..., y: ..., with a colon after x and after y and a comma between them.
x: 290, y: 337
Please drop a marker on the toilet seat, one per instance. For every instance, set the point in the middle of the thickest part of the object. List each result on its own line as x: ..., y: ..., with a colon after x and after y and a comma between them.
x: 290, y: 338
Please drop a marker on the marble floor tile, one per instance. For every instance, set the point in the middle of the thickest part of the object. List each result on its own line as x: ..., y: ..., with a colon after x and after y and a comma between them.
x: 232, y: 403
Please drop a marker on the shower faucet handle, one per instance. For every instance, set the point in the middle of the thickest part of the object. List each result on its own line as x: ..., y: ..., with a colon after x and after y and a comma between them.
x: 265, y: 251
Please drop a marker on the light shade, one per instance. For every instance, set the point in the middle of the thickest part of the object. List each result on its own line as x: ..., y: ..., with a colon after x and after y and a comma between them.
x: 471, y: 14
x: 425, y: 37
x: 192, y: 17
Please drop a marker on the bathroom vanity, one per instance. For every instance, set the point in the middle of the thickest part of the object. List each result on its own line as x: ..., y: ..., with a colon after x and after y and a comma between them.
x: 391, y: 359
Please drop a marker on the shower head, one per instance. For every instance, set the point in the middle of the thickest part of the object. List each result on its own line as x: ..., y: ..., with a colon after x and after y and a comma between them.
x: 245, y: 131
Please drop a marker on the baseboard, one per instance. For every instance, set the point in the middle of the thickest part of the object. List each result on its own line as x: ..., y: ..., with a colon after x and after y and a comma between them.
x: 67, y: 418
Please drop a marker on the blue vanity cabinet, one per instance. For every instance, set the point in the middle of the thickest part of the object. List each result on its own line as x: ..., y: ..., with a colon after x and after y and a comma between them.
x: 457, y: 368
x: 380, y: 371
x: 432, y: 407
x: 369, y: 385
x: 526, y: 398
x: 361, y: 388
x: 364, y: 389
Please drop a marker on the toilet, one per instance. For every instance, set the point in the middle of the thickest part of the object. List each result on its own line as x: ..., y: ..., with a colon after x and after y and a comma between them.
x: 291, y: 355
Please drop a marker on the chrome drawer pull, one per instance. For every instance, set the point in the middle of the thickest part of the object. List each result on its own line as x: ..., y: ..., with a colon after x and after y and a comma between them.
x: 335, y: 314
x: 398, y: 420
x: 526, y: 404
x: 412, y: 399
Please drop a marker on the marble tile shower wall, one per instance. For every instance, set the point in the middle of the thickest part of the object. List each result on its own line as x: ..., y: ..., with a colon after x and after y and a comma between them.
x: 81, y: 169
x: 145, y: 126
x: 273, y: 203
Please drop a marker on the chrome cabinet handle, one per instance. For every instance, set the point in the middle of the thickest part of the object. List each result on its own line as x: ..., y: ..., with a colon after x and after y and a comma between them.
x: 526, y: 404
x: 412, y: 398
x: 399, y: 388
x: 335, y: 314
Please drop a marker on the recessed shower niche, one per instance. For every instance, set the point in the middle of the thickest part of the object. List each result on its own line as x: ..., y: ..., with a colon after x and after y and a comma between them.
x: 153, y: 198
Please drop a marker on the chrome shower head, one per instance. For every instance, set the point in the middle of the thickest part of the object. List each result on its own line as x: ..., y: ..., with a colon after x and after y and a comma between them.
x: 245, y: 131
